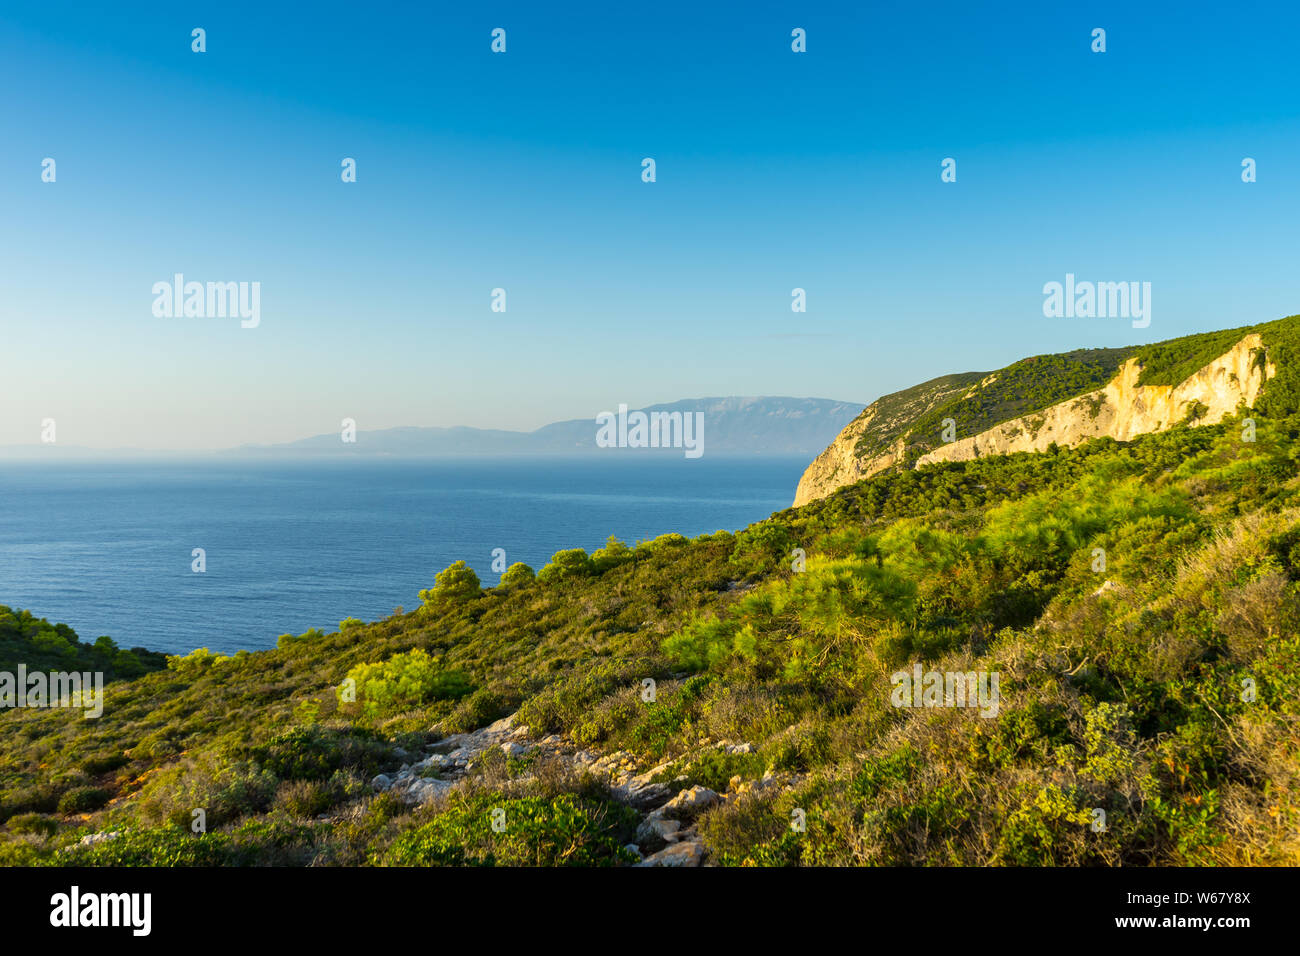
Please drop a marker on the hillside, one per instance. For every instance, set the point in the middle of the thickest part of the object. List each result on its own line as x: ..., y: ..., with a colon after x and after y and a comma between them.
x: 40, y: 645
x: 1138, y: 603
x: 1062, y: 399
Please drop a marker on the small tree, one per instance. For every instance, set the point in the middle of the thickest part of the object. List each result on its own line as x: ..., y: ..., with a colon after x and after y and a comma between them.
x: 762, y: 548
x: 454, y: 587
x: 572, y: 563
x: 613, y: 554
x: 404, y: 681
x: 517, y: 575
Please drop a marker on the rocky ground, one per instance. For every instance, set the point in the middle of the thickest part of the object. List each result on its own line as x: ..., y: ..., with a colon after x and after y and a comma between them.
x: 667, y: 834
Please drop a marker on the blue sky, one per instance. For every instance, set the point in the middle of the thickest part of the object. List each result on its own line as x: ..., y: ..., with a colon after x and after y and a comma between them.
x: 522, y: 170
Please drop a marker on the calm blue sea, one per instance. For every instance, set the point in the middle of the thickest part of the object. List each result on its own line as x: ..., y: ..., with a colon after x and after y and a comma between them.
x: 106, y: 548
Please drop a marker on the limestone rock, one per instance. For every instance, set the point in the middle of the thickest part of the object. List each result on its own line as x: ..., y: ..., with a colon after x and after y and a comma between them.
x: 677, y: 854
x: 640, y: 796
x: 1122, y: 410
x: 657, y: 828
x: 692, y: 801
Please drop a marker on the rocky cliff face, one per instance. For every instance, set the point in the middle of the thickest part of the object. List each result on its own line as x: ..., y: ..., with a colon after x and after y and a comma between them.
x: 1120, y: 410
x: 840, y: 465
x: 886, y: 419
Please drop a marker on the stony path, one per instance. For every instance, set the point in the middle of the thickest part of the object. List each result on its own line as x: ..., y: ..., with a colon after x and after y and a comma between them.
x: 667, y: 834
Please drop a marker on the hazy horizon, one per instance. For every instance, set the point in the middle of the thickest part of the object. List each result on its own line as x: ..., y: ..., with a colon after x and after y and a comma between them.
x: 58, y: 449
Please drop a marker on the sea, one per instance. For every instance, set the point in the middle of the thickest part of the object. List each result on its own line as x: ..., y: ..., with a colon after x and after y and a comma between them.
x: 286, y: 545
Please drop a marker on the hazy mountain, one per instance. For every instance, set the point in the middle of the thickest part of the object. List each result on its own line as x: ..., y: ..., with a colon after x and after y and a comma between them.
x: 732, y: 426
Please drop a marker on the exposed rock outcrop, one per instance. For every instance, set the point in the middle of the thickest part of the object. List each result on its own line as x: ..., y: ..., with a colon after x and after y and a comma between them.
x: 1121, y: 410
x: 667, y: 833
x: 1124, y: 409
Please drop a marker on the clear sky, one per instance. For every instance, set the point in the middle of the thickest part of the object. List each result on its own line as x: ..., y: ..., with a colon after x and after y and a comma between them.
x: 522, y: 170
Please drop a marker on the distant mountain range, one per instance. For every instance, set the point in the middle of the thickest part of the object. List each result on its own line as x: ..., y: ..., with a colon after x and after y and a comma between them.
x: 731, y: 426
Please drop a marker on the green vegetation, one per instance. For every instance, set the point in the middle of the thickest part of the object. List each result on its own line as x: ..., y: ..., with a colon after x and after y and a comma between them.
x: 54, y: 647
x: 1027, y: 386
x: 1281, y: 397
x: 453, y: 589
x: 893, y: 415
x: 1140, y: 603
x: 1171, y: 362
x: 977, y: 401
x: 402, y: 682
x: 988, y: 398
x: 564, y: 831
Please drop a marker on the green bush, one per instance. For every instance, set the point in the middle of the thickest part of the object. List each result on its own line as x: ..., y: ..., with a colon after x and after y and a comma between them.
x: 224, y: 789
x: 195, y: 664
x: 83, y: 800
x: 311, y: 634
x: 763, y: 548
x: 402, y: 682
x: 161, y: 846
x: 317, y: 753
x: 518, y: 575
x: 37, y: 824
x: 42, y: 797
x: 454, y: 587
x: 564, y: 831
x: 477, y: 710
x: 565, y: 565
x: 103, y: 763
x: 614, y: 553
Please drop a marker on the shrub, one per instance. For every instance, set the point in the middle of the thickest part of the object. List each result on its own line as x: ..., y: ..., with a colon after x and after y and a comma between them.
x: 311, y: 634
x: 564, y: 831
x: 83, y: 800
x: 1110, y: 741
x: 103, y: 763
x: 305, y: 798
x: 762, y: 548
x: 1047, y: 829
x: 516, y: 576
x: 316, y: 753
x: 38, y: 824
x: 161, y: 846
x: 194, y: 664
x: 38, y: 797
x: 477, y: 710
x: 662, y: 543
x: 404, y: 681
x: 614, y: 553
x: 454, y: 587
x: 702, y: 643
x: 224, y: 790
x: 573, y: 563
